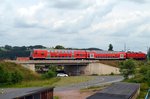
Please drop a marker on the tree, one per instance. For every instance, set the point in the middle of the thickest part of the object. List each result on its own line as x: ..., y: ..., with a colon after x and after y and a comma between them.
x: 8, y: 47
x: 148, y: 77
x: 148, y: 53
x: 59, y: 47
x: 110, y: 47
x: 127, y: 68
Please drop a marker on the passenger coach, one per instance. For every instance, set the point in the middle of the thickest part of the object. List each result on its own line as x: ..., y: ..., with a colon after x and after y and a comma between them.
x: 76, y: 54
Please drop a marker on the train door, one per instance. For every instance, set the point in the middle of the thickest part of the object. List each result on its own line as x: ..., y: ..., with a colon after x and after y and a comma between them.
x: 72, y: 54
x: 91, y: 55
x: 121, y: 56
x: 48, y: 55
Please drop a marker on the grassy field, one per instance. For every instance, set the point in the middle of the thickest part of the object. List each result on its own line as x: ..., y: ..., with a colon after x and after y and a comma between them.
x: 73, y: 80
x: 57, y: 81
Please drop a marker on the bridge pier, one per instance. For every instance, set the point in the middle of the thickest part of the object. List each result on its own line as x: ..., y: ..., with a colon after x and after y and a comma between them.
x: 91, y: 69
x: 100, y: 69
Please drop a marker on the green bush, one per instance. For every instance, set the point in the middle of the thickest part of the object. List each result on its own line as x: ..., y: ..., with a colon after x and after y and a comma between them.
x: 148, y: 77
x: 111, y: 73
x: 10, y: 77
x: 16, y: 77
x: 143, y: 70
x: 127, y: 68
x: 138, y: 79
x: 49, y: 74
x: 5, y: 77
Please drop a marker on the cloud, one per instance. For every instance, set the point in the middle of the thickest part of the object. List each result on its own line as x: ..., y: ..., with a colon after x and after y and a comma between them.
x: 69, y: 5
x: 75, y: 23
x: 139, y: 1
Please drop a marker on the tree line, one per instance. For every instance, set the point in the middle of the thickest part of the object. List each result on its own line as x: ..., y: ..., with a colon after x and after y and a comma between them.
x: 12, y: 52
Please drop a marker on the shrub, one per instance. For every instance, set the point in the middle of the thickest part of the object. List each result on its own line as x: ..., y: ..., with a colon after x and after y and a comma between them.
x: 49, y: 74
x: 10, y: 77
x: 127, y: 68
x: 111, y: 73
x: 138, y: 79
x: 148, y: 77
x: 5, y: 77
x: 16, y: 77
x: 143, y: 70
x: 94, y: 75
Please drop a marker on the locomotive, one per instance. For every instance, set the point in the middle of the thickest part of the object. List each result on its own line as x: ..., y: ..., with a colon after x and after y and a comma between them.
x: 54, y: 54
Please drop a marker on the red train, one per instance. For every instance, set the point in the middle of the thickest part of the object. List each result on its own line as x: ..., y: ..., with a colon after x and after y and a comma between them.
x: 84, y: 54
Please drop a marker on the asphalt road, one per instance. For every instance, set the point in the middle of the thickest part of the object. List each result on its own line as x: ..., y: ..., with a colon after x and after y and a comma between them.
x: 99, y: 80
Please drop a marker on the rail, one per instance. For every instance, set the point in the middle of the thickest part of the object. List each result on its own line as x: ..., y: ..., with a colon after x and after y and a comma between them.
x: 148, y: 95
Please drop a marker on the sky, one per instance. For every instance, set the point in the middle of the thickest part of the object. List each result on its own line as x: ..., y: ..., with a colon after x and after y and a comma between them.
x: 76, y: 23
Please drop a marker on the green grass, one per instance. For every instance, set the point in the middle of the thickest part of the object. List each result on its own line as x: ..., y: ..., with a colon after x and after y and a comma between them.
x: 95, y: 88
x: 34, y: 83
x: 73, y: 80
x: 143, y: 90
x: 57, y: 81
x: 27, y: 74
x: 56, y: 97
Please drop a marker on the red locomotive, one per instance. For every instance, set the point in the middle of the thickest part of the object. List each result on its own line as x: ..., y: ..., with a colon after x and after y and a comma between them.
x: 84, y: 54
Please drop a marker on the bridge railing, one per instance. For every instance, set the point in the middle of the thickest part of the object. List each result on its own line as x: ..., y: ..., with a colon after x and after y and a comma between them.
x: 148, y: 95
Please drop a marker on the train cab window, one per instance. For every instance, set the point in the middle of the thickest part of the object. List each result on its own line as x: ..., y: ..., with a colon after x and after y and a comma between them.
x: 42, y: 53
x: 36, y: 52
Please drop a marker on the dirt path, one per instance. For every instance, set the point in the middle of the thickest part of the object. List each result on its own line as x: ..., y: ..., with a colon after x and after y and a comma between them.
x: 73, y: 94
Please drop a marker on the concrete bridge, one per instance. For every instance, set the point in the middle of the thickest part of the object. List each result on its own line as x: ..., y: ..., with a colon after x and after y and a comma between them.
x: 75, y: 67
x: 65, y: 62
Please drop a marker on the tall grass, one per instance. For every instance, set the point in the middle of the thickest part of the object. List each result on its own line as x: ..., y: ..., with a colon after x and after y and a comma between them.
x: 27, y: 74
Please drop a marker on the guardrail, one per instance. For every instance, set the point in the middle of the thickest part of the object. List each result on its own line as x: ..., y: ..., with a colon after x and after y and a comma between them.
x: 148, y: 95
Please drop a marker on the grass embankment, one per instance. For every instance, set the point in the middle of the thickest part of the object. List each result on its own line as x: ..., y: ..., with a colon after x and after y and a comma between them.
x: 32, y: 79
x: 73, y: 80
x: 26, y: 73
x: 57, y: 81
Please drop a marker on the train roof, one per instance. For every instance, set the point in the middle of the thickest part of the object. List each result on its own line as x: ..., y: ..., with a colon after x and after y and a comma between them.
x: 100, y: 51
x: 78, y: 50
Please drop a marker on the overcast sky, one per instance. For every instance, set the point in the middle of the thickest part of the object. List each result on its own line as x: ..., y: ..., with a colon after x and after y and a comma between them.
x: 76, y: 23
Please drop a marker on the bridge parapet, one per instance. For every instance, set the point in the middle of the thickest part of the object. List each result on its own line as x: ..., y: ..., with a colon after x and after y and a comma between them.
x: 54, y: 61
